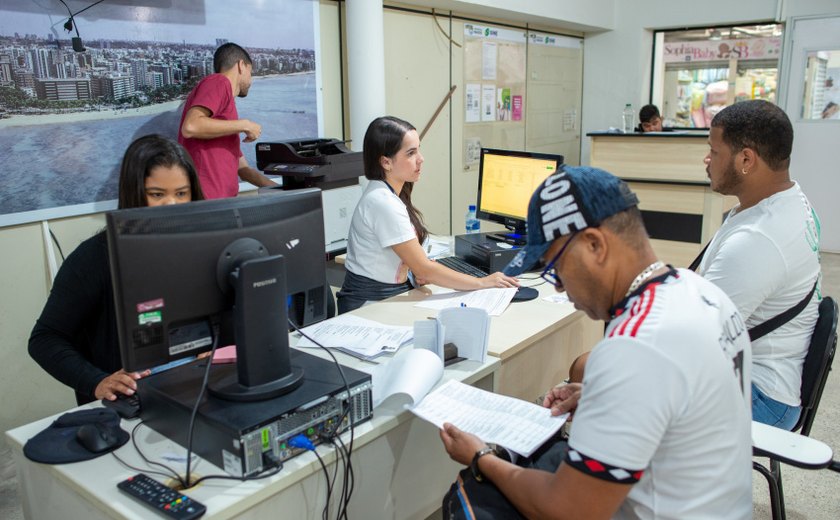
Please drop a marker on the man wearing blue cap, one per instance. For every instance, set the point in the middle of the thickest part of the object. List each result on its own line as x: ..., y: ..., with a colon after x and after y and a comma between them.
x: 662, y: 423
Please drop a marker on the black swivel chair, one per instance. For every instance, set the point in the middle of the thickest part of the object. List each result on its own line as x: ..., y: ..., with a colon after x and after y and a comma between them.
x: 814, y: 374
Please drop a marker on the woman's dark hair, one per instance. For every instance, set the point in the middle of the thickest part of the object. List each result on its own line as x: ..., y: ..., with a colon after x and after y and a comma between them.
x: 141, y: 157
x: 384, y: 138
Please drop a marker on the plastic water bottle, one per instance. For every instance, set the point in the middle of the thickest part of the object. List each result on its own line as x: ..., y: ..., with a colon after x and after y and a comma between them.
x: 628, y: 117
x: 472, y: 223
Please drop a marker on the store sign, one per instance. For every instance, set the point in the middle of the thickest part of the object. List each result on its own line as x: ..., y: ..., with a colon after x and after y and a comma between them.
x: 552, y: 40
x: 494, y: 33
x: 723, y: 50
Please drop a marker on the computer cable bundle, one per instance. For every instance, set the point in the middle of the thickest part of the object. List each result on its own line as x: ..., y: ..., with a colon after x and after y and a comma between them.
x: 344, y: 452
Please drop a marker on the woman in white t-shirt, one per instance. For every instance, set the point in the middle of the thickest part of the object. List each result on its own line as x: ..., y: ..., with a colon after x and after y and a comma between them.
x: 387, y: 231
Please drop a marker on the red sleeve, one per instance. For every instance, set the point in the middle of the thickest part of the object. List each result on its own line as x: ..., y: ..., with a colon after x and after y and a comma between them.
x: 213, y: 94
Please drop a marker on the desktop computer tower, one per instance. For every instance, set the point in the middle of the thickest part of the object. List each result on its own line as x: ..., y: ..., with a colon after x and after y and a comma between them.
x: 485, y: 251
x: 238, y: 436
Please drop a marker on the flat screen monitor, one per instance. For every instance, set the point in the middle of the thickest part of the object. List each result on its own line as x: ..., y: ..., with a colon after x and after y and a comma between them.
x: 506, y: 181
x: 230, y: 268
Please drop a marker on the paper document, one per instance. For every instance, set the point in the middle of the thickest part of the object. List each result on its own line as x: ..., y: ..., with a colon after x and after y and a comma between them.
x: 437, y: 247
x: 357, y: 336
x: 494, y: 301
x: 557, y: 297
x: 409, y: 375
x: 517, y: 425
x: 468, y: 328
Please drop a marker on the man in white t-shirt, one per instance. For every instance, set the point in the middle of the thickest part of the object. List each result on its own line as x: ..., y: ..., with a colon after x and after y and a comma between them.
x: 765, y: 256
x: 662, y: 422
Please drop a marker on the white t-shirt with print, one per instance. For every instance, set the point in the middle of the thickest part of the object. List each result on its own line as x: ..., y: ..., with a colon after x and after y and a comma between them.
x: 379, y: 222
x: 766, y: 259
x: 666, y: 392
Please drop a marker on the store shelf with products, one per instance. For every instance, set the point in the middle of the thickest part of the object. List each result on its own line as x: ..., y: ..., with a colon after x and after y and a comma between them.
x: 695, y: 92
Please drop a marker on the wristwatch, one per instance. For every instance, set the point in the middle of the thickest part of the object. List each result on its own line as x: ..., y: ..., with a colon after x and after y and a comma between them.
x: 476, y: 473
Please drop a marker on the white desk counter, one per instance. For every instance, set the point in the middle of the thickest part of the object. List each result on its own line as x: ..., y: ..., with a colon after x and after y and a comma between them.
x: 401, y: 471
x: 401, y: 468
x: 536, y: 340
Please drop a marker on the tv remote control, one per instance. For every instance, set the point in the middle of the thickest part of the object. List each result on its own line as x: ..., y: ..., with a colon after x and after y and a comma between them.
x: 164, y: 499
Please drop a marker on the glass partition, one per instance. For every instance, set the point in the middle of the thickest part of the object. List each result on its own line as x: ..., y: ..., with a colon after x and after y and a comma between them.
x: 821, y: 99
x: 698, y: 72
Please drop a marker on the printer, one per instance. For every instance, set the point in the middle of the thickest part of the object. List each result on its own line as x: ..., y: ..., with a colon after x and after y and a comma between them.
x: 311, y: 163
x: 319, y: 163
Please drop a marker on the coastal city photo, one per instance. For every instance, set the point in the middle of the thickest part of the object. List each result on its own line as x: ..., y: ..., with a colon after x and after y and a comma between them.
x: 67, y: 113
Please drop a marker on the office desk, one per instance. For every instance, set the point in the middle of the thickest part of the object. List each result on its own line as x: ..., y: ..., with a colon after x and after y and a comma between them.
x: 401, y: 470
x: 536, y: 341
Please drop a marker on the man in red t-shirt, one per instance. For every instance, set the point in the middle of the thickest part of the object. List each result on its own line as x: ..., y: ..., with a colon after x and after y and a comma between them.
x: 210, y: 126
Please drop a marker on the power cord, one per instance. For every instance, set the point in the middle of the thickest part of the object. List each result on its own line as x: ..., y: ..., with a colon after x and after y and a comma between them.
x: 191, y: 428
x: 302, y: 442
x: 57, y: 245
x: 347, y: 486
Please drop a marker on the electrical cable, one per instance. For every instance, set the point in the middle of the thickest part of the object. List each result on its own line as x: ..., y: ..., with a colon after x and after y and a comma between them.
x: 140, y: 470
x: 191, y: 428
x: 335, y: 433
x: 86, y: 8
x: 448, y: 37
x: 349, y: 480
x: 57, y: 245
x: 172, y: 473
x: 325, y: 514
x: 343, y: 379
x: 72, y: 23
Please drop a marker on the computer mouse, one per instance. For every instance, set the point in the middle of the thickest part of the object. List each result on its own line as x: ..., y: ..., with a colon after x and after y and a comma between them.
x: 97, y: 437
x: 524, y: 294
x: 127, y: 406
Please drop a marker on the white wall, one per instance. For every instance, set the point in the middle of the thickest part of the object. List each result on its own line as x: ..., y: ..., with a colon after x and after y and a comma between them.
x: 575, y: 15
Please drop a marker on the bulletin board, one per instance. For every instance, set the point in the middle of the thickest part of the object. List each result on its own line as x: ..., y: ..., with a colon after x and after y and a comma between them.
x: 495, y: 62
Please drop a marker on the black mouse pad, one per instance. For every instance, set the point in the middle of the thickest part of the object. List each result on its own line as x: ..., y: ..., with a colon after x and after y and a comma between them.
x: 57, y: 444
x: 524, y: 294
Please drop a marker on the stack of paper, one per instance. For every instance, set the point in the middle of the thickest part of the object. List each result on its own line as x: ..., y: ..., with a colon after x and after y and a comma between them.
x: 494, y: 301
x: 357, y: 336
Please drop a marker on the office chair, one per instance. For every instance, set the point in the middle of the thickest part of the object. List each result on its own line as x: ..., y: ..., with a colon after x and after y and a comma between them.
x: 782, y: 446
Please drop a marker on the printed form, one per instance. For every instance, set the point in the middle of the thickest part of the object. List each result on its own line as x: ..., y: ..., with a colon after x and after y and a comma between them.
x: 357, y: 336
x: 518, y: 425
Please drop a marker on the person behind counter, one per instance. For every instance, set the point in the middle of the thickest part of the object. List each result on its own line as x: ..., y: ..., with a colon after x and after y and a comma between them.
x: 387, y: 231
x: 75, y: 338
x: 650, y: 119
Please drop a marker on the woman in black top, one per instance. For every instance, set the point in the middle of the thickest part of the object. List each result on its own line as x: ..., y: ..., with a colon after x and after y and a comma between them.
x: 75, y: 339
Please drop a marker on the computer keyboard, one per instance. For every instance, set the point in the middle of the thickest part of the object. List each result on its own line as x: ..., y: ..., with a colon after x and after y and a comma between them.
x: 462, y: 266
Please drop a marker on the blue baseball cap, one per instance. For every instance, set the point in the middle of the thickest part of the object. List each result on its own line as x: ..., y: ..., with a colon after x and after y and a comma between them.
x: 572, y: 199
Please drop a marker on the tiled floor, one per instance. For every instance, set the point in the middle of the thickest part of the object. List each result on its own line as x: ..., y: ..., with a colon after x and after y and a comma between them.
x: 809, y: 495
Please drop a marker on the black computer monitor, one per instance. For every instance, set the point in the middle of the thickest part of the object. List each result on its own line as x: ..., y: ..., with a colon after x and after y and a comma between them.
x: 237, y: 267
x: 506, y: 181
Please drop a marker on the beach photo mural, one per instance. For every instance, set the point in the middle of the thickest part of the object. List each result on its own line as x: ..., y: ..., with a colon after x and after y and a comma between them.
x: 66, y: 117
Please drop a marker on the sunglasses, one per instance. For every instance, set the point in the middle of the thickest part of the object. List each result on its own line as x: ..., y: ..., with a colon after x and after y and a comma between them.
x: 549, y: 274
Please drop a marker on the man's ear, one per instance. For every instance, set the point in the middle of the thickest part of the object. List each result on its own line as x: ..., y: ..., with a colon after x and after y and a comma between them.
x: 595, y: 244
x: 749, y: 160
